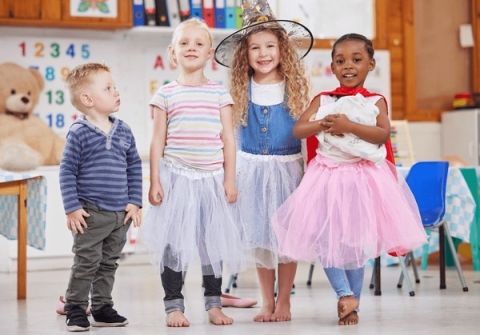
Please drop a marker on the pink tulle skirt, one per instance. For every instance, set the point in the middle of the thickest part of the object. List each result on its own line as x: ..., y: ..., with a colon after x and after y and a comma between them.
x: 345, y: 214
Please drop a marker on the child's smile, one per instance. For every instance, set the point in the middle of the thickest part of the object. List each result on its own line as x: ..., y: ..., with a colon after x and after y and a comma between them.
x: 352, y: 63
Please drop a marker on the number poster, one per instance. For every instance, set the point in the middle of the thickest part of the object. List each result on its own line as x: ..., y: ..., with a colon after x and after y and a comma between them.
x: 54, y: 58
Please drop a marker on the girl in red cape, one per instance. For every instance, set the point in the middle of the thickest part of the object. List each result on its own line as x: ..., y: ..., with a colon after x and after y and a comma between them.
x: 349, y: 206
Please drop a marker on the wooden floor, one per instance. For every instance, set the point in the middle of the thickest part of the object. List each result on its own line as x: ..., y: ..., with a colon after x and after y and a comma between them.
x: 138, y: 296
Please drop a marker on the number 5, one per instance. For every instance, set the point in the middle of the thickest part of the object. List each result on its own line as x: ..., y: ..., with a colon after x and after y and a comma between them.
x: 85, y: 51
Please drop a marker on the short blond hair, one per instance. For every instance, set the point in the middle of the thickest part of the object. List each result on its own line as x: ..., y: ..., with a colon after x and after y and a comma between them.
x: 193, y: 22
x: 80, y: 78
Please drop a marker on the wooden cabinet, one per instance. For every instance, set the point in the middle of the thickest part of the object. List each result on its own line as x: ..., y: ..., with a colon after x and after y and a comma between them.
x: 56, y: 14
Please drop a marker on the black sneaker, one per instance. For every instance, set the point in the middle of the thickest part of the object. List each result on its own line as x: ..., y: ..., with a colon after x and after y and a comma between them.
x: 108, y: 317
x: 77, y: 320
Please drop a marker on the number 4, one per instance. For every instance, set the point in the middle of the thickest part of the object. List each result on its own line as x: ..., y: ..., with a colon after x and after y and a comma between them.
x: 71, y: 50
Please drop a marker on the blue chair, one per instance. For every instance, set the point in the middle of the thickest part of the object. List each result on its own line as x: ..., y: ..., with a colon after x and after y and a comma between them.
x: 428, y: 183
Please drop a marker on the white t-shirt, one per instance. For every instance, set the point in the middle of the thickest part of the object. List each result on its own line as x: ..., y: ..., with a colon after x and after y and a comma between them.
x: 268, y: 95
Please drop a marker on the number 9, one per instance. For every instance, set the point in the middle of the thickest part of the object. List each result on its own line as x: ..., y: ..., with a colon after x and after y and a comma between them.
x: 65, y: 71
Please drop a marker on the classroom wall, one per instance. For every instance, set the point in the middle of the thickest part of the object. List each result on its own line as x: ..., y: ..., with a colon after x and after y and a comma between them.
x: 443, y: 66
x: 137, y: 59
x: 139, y: 65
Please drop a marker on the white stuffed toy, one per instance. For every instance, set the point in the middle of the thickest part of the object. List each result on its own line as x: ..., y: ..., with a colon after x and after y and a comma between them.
x: 358, y: 109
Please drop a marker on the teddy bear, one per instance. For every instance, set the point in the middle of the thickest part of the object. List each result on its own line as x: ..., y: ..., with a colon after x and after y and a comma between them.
x: 26, y: 141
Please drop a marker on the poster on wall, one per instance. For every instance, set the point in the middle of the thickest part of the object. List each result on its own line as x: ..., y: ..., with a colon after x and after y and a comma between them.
x: 94, y: 8
x: 330, y: 19
x: 54, y: 58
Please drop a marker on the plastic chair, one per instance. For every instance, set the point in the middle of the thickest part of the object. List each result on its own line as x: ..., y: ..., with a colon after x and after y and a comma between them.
x: 428, y: 183
x: 375, y: 281
x: 404, y: 261
x: 232, y: 281
x: 410, y: 259
x: 453, y: 161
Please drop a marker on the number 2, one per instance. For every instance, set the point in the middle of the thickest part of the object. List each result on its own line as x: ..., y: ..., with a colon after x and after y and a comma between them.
x: 39, y: 49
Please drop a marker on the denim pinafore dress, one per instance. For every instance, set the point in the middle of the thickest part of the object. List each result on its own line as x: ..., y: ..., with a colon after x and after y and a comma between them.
x: 269, y: 169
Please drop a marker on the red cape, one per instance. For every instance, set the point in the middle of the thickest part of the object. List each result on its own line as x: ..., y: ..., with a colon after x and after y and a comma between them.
x: 312, y: 142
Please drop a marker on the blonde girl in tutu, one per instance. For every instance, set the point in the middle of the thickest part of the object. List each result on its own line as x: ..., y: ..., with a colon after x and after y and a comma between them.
x: 192, y: 174
x: 270, y: 91
x: 349, y: 207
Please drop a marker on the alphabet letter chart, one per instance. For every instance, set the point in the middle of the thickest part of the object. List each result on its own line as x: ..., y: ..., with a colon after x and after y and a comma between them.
x: 54, y: 58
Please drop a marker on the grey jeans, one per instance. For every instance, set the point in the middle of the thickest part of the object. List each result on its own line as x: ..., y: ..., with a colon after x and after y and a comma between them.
x: 96, y: 253
x: 172, y: 285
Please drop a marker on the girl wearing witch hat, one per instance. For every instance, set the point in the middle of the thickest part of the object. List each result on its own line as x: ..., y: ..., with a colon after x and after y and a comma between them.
x: 270, y: 91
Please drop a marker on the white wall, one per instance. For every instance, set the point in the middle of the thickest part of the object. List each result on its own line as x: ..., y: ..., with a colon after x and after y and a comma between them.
x: 132, y: 51
x: 426, y: 140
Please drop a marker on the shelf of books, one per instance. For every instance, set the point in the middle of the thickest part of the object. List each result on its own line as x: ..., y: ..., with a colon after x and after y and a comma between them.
x: 218, y: 14
x: 401, y: 143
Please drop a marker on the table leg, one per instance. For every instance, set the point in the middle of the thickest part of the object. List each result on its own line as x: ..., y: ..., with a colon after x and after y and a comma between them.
x: 441, y: 251
x: 378, y: 283
x: 22, y: 241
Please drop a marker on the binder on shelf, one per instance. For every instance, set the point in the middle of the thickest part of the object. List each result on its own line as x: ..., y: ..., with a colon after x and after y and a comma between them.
x: 401, y: 143
x: 138, y: 13
x: 220, y: 14
x: 208, y: 13
x: 196, y: 8
x: 150, y: 13
x: 230, y: 18
x: 184, y: 9
x: 238, y: 14
x: 173, y: 11
x: 162, y: 13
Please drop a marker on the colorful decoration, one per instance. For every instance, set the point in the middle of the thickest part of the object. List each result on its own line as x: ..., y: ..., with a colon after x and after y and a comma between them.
x: 94, y: 4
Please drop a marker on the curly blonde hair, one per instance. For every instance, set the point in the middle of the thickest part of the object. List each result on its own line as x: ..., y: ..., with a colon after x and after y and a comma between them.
x: 291, y: 68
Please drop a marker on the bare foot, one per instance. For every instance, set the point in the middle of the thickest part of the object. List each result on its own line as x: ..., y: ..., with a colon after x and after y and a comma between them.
x: 177, y: 319
x: 346, y: 305
x: 350, y: 319
x: 282, y: 312
x: 216, y: 316
x: 265, y: 314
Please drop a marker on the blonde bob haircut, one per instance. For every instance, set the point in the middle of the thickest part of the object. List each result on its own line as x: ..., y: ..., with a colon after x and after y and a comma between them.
x: 192, y: 22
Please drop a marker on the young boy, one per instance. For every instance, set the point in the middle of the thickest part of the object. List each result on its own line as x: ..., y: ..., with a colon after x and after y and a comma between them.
x: 101, y: 186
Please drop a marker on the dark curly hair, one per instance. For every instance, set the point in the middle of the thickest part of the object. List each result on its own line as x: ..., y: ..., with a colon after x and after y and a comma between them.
x: 356, y: 37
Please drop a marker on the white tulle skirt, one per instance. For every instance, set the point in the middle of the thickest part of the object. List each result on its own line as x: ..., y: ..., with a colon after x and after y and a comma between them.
x: 264, y: 183
x: 194, y: 222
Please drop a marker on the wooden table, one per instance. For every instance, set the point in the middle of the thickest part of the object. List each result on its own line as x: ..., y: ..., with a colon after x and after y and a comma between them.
x: 19, y: 188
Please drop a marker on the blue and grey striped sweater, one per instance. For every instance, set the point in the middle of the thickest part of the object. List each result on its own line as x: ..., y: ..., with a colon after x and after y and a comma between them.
x: 101, y: 169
